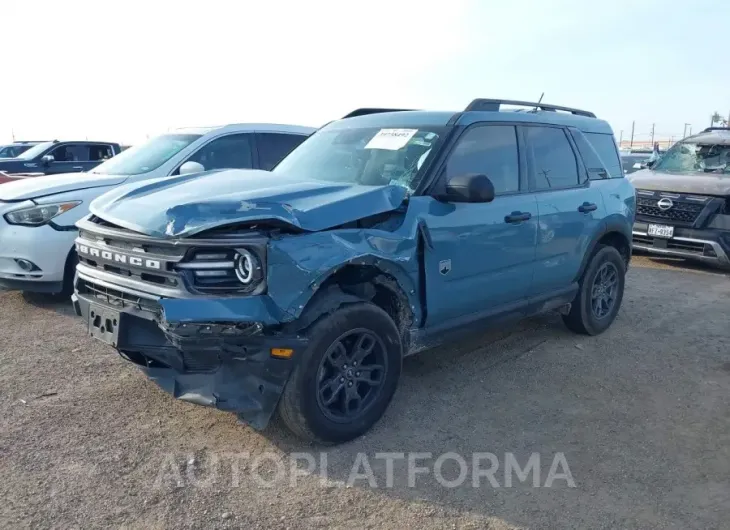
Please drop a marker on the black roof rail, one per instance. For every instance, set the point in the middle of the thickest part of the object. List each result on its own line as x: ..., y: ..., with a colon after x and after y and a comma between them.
x: 710, y: 129
x: 493, y: 105
x: 366, y: 111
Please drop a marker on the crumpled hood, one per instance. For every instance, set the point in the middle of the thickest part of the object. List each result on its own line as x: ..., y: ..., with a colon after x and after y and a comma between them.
x: 700, y: 183
x: 43, y: 185
x: 189, y: 204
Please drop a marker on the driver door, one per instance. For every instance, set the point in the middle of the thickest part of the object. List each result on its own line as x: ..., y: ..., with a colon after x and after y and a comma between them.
x: 481, y: 257
x: 68, y: 158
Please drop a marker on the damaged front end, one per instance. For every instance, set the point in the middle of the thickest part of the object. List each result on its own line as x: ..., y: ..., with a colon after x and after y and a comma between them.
x: 240, y: 367
x: 181, y: 313
x: 220, y: 318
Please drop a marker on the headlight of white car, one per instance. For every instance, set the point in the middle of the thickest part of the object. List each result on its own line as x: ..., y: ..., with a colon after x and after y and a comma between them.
x: 39, y: 215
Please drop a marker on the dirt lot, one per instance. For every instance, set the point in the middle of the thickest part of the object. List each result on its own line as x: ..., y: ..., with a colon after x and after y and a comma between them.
x: 641, y: 414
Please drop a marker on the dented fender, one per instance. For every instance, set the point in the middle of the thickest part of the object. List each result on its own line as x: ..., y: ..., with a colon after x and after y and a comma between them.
x: 298, y: 265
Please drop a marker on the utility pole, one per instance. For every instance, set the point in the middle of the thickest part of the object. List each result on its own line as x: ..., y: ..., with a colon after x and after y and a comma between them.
x: 631, y: 142
x: 12, y: 131
x: 620, y: 139
x: 684, y: 134
x: 652, y: 135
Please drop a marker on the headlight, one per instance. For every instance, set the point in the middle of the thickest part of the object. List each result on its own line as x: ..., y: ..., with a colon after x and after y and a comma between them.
x: 39, y: 215
x: 248, y: 267
x: 225, y: 270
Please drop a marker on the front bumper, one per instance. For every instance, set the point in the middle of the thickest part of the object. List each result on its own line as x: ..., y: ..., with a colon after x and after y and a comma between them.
x: 707, y: 245
x: 179, y: 344
x: 43, y: 246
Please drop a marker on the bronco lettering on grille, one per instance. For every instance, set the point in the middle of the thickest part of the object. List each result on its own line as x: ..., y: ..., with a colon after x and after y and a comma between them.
x: 117, y: 257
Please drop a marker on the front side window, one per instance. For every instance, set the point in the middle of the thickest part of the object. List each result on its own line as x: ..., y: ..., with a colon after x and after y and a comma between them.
x: 70, y: 153
x: 273, y: 147
x: 148, y: 156
x: 690, y: 157
x: 552, y: 157
x: 369, y: 156
x: 489, y: 150
x: 227, y: 152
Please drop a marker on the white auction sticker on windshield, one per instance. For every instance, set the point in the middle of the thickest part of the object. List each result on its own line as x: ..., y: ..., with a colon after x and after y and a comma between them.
x: 391, y: 139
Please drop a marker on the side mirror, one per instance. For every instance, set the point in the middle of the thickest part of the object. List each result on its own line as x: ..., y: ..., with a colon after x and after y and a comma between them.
x: 649, y: 164
x: 191, y: 167
x: 472, y: 187
x: 47, y: 159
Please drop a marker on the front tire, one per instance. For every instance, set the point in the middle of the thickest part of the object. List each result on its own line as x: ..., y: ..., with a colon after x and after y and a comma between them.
x: 346, y: 377
x: 600, y: 293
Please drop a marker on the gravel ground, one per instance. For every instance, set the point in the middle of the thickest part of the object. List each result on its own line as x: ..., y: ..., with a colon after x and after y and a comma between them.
x: 640, y: 413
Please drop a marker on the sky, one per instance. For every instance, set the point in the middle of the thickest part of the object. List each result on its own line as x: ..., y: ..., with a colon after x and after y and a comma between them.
x: 127, y: 70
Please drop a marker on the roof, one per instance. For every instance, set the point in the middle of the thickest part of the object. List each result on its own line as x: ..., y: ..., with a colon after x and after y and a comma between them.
x: 583, y: 123
x: 714, y: 135
x: 249, y: 127
x: 406, y: 118
x: 485, y: 110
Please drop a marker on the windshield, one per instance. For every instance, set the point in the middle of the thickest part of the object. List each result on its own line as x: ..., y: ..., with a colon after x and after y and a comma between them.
x: 689, y: 157
x: 367, y: 156
x: 34, y: 151
x: 146, y: 157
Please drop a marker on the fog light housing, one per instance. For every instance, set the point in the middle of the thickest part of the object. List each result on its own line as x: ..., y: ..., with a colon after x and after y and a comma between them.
x: 26, y: 266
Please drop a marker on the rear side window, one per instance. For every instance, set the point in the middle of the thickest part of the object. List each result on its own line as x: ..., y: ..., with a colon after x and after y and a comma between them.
x: 273, y: 147
x: 489, y: 150
x: 552, y: 158
x: 605, y: 146
x: 100, y: 152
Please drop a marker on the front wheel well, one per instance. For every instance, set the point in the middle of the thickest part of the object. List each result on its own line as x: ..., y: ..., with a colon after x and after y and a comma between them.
x: 619, y: 242
x: 368, y: 282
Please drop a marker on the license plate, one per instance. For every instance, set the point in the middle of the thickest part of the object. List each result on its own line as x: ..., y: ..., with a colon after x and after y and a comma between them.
x: 661, y: 231
x: 104, y: 324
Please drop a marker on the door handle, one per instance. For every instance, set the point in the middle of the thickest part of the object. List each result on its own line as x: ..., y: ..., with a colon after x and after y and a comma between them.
x: 80, y: 168
x: 517, y: 217
x: 587, y: 207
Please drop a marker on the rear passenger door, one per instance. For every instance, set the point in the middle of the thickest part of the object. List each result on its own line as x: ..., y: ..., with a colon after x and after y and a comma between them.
x: 606, y: 173
x: 570, y: 210
x: 273, y: 147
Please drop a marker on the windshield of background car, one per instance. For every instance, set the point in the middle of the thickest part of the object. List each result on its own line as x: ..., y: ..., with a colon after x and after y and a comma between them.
x: 370, y: 156
x: 146, y: 157
x: 34, y: 151
x: 687, y: 157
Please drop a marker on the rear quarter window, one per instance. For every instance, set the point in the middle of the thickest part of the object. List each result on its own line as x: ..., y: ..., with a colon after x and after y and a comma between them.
x: 605, y: 147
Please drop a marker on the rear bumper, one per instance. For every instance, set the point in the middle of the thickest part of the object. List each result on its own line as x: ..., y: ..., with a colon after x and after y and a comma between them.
x: 223, y: 364
x: 709, y: 246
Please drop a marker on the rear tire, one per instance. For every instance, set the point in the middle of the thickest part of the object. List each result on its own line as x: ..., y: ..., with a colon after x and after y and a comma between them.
x: 600, y: 292
x: 330, y: 400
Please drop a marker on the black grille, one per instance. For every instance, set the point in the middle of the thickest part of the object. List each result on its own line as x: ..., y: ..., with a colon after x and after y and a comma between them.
x: 114, y: 297
x: 680, y: 212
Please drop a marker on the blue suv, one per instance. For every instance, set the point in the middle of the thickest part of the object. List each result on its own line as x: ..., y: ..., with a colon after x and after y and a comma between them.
x: 387, y: 232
